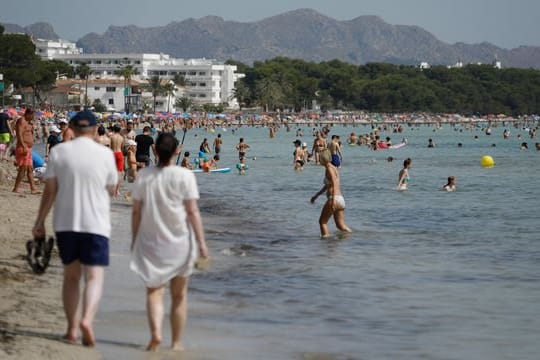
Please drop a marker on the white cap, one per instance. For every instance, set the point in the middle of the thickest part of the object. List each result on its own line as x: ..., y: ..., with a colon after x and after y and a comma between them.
x: 130, y: 142
x: 304, y: 144
x: 55, y: 128
x: 62, y: 121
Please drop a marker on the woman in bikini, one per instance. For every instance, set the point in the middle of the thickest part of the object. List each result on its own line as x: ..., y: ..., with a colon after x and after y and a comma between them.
x: 335, y: 203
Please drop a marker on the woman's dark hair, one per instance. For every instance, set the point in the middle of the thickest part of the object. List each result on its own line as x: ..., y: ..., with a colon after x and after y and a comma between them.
x: 166, y: 145
x: 407, y: 162
x: 101, y: 130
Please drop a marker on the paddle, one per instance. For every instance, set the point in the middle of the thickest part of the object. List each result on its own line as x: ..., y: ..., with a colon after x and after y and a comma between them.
x: 183, y: 138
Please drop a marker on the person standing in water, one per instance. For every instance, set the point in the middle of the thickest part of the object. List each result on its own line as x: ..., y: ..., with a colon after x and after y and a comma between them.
x: 242, y: 148
x: 450, y: 185
x: 167, y: 231
x: 403, y: 177
x: 335, y: 202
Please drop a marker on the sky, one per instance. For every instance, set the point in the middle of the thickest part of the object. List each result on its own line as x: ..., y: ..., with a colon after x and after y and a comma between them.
x: 505, y: 23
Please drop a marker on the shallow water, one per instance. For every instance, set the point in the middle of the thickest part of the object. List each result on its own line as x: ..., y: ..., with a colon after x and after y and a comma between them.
x: 425, y: 274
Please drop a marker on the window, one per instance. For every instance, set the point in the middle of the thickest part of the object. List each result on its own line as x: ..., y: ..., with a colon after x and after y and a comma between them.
x: 111, y: 101
x: 96, y: 88
x: 192, y: 84
x: 193, y: 95
x: 202, y: 73
x: 202, y: 95
x: 110, y: 89
x: 98, y: 61
x: 202, y: 84
x: 192, y: 73
x: 138, y: 62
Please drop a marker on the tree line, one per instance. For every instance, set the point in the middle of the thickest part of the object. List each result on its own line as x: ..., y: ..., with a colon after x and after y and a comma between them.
x: 283, y: 83
x: 293, y: 84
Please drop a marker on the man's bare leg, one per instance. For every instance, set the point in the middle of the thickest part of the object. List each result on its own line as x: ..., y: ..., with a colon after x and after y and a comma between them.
x: 178, y: 315
x: 30, y: 175
x: 154, y: 309
x: 93, y: 289
x: 18, y: 179
x: 70, y: 298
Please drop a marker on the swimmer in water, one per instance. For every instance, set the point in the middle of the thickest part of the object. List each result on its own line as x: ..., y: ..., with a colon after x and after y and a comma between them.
x: 450, y: 185
x: 403, y: 178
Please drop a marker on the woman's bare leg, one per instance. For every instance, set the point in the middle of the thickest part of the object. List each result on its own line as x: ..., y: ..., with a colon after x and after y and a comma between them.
x: 326, y: 214
x: 178, y: 314
x: 154, y: 308
x: 339, y: 218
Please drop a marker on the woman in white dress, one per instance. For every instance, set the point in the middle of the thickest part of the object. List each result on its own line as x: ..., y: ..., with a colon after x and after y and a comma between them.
x: 167, y: 230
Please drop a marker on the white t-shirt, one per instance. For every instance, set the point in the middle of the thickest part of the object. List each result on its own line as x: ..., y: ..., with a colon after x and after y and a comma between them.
x: 165, y: 245
x: 83, y: 170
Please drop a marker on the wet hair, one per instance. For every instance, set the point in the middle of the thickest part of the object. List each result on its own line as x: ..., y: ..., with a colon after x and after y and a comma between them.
x: 216, y: 157
x: 166, y: 145
x: 407, y: 162
x: 186, y: 154
x: 450, y: 179
x: 101, y: 130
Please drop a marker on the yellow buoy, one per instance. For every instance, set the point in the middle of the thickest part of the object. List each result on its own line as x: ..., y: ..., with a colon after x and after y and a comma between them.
x: 487, y: 161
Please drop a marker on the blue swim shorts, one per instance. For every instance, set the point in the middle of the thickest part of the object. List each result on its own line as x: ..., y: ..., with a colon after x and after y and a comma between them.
x: 336, y: 161
x: 89, y: 249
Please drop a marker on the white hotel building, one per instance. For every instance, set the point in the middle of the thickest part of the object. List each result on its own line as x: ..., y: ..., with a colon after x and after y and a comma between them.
x: 208, y: 81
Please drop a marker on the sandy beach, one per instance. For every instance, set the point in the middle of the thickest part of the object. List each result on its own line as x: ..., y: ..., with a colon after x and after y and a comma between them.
x: 31, y: 316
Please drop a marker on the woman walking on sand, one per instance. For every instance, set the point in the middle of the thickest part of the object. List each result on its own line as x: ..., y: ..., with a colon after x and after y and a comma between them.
x: 167, y: 230
x: 335, y: 202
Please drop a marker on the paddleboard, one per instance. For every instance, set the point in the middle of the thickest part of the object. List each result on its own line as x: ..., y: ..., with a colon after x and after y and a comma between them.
x: 220, y: 170
x: 397, y: 146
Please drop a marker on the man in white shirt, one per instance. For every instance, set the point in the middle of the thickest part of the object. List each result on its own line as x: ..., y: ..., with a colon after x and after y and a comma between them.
x: 80, y: 179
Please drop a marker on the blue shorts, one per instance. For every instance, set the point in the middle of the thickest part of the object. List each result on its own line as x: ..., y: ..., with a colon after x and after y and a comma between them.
x: 89, y: 249
x: 336, y: 161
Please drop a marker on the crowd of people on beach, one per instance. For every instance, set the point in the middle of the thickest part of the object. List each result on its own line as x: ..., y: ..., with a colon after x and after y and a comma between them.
x: 86, y: 162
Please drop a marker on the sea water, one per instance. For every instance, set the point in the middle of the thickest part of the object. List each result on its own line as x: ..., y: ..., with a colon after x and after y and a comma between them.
x: 425, y: 274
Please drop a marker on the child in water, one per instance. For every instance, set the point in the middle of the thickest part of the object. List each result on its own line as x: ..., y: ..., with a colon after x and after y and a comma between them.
x: 242, y: 166
x: 450, y: 185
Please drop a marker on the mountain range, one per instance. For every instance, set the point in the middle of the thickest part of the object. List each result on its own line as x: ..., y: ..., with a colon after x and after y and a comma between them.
x: 303, y: 34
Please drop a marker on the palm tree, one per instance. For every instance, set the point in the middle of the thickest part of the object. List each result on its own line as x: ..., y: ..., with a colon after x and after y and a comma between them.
x: 184, y: 103
x: 84, y: 72
x: 269, y: 92
x: 155, y: 87
x: 241, y: 93
x: 169, y: 89
x: 127, y: 73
